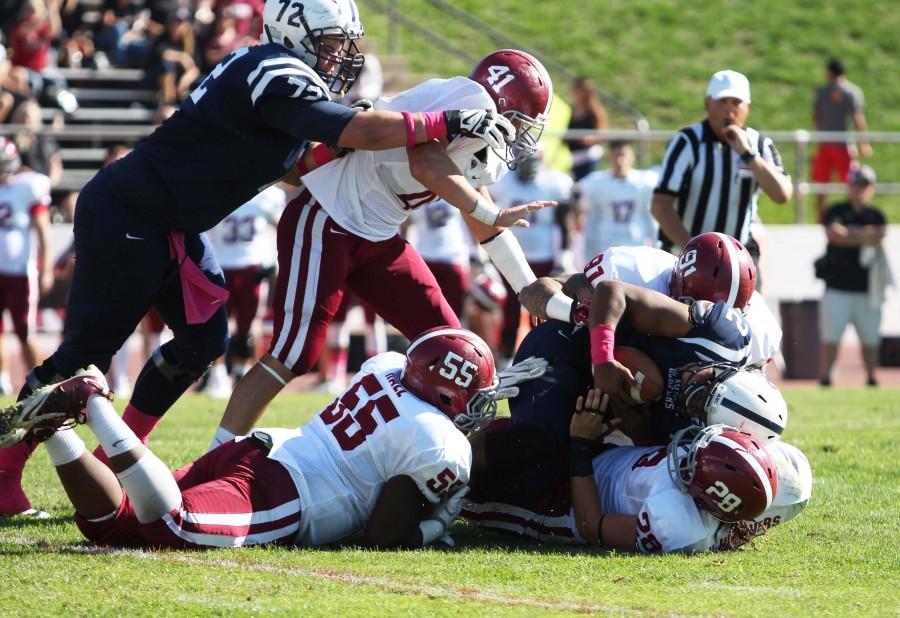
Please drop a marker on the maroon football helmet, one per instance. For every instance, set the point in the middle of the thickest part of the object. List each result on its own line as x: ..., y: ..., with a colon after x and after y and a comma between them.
x: 522, y: 91
x: 714, y: 267
x: 10, y: 161
x: 447, y: 367
x: 728, y: 473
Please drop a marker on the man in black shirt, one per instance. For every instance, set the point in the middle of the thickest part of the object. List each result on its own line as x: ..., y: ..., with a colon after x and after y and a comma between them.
x: 854, y: 273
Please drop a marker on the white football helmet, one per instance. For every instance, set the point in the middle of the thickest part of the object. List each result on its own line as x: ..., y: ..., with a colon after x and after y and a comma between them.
x: 299, y: 26
x: 740, y: 398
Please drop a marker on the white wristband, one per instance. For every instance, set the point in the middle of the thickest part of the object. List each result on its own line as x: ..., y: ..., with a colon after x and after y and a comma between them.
x: 506, y: 254
x: 559, y: 307
x: 431, y: 530
x: 485, y: 211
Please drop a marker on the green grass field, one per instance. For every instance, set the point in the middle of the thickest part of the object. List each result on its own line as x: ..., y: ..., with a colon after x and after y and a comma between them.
x: 657, y: 55
x: 838, y: 558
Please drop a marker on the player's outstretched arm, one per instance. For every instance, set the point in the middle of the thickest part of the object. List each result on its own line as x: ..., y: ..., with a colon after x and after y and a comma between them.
x: 596, y: 527
x: 647, y: 310
x: 382, y: 130
x: 558, y: 298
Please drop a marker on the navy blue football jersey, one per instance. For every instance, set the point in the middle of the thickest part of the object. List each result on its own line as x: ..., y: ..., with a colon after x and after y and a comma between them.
x: 721, y: 335
x: 241, y: 130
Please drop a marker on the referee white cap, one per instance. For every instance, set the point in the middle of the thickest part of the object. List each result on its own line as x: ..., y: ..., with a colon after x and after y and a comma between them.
x: 729, y: 83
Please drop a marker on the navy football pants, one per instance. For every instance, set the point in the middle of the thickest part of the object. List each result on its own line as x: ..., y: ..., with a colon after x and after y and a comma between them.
x: 122, y: 269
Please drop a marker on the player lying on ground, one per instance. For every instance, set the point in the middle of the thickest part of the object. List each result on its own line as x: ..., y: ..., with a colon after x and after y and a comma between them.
x: 711, y: 489
x: 711, y: 266
x: 387, y: 457
x: 699, y: 350
x: 139, y: 223
x: 343, y: 231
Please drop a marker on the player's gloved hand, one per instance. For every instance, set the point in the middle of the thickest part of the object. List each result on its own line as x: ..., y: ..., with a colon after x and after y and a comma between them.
x: 494, y: 129
x: 437, y: 524
x: 363, y: 105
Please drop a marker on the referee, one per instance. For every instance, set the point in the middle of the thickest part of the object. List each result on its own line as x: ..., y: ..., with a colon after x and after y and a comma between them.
x: 713, y: 170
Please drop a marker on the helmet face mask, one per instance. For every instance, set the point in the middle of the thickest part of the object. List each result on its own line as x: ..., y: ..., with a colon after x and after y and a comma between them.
x: 728, y: 473
x: 450, y: 368
x: 522, y: 92
x: 322, y: 33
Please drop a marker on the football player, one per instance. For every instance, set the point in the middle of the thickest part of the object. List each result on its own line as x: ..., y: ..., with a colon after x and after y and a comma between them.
x: 388, y: 457
x: 139, y: 222
x: 711, y: 266
x: 701, y: 350
x: 243, y: 243
x: 711, y: 489
x: 25, y: 274
x: 343, y: 231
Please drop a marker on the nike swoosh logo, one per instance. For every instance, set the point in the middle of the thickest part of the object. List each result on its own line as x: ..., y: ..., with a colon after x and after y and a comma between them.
x: 563, y: 335
x: 119, y: 442
x: 130, y: 237
x: 334, y: 231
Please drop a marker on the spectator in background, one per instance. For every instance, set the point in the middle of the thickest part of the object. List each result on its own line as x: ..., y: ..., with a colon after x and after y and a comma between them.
x: 31, y: 39
x: 587, y: 113
x: 613, y: 206
x: 172, y: 67
x: 225, y: 39
x: 40, y: 152
x: 713, y: 170
x: 856, y: 273
x: 836, y: 102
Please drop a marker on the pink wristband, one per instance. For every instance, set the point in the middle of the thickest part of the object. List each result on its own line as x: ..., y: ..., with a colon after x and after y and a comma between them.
x: 322, y: 154
x: 410, y: 129
x: 603, y: 340
x: 435, y: 125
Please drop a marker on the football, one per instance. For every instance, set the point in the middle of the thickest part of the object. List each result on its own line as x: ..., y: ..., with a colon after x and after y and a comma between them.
x: 648, y: 378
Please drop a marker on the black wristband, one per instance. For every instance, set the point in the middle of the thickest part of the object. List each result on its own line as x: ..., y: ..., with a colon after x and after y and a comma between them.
x: 748, y: 156
x: 452, y: 120
x: 581, y: 457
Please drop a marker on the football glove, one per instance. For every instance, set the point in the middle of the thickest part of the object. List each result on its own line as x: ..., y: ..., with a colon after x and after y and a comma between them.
x: 494, y: 129
x: 437, y: 524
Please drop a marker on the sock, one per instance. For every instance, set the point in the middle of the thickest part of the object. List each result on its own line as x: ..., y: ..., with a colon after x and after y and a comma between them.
x: 222, y: 436
x: 151, y: 488
x: 339, y: 365
x: 114, y: 435
x: 139, y: 422
x: 64, y: 446
x: 12, y: 462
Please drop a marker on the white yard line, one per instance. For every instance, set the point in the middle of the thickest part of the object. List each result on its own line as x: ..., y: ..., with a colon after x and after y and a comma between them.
x: 385, y: 583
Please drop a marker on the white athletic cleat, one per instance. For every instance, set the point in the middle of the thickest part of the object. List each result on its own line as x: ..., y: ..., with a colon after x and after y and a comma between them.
x: 50, y: 407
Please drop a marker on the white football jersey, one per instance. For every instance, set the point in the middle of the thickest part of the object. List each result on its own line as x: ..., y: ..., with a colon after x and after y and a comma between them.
x: 540, y: 241
x: 636, y: 481
x: 617, y: 210
x: 246, y: 237
x: 441, y: 234
x: 370, y: 193
x: 25, y: 195
x: 651, y: 268
x: 374, y: 431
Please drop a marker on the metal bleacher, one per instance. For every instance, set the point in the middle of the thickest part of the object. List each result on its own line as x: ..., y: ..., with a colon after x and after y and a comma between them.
x: 115, y: 107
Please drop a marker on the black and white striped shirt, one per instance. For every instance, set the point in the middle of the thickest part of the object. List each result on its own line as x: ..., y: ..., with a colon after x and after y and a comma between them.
x: 714, y: 190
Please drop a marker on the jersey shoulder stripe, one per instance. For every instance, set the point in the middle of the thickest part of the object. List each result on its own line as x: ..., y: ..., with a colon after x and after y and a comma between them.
x: 286, y: 76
